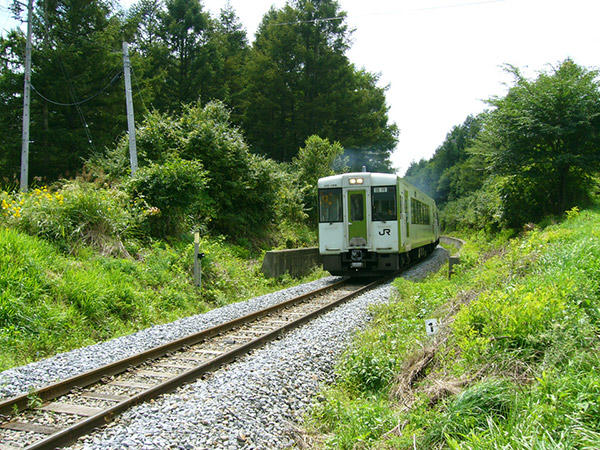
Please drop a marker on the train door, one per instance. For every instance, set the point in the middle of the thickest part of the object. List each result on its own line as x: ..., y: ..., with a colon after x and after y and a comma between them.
x: 403, y: 219
x: 357, y: 218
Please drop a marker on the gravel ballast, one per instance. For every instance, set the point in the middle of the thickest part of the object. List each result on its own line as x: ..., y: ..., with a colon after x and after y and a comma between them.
x: 250, y: 404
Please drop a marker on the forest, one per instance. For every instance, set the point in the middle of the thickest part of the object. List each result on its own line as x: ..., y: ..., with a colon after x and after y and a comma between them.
x: 293, y: 81
x: 534, y: 154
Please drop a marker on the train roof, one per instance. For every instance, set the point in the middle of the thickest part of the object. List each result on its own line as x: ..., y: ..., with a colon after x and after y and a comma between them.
x: 370, y: 179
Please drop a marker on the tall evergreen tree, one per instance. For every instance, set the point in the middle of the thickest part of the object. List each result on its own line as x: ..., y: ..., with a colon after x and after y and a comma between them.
x: 76, y: 64
x: 301, y: 83
x: 232, y: 42
x: 11, y: 101
x: 184, y: 31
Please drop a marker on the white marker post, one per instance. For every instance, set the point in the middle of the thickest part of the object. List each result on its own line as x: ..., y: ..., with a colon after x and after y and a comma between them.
x: 197, y: 259
x: 431, y: 326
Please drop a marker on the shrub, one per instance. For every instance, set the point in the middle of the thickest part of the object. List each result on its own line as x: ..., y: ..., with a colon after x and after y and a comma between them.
x: 479, y: 210
x: 174, y: 195
x: 247, y: 191
x: 76, y: 213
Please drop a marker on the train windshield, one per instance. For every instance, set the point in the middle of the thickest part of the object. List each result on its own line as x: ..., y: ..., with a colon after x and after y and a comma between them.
x: 330, y: 205
x: 384, y: 203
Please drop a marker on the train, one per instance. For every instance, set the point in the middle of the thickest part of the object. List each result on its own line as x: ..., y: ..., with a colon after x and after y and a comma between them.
x: 372, y: 224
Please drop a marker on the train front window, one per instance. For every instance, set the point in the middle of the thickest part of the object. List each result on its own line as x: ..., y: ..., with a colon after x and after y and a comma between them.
x: 357, y: 212
x: 330, y: 205
x: 384, y: 203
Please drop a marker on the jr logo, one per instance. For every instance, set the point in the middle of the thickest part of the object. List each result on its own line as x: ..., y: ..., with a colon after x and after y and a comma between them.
x: 385, y: 231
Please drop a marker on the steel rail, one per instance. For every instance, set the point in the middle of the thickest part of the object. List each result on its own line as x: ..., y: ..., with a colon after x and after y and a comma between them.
x: 63, y: 437
x: 20, y: 403
x: 86, y: 426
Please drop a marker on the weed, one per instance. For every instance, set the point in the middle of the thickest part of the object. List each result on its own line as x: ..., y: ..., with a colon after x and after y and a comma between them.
x: 33, y: 400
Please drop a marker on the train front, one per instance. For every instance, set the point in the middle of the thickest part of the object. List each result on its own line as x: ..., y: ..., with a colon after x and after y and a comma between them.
x: 359, y: 230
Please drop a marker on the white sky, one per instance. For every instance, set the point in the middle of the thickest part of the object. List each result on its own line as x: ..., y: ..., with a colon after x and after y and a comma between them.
x: 441, y: 58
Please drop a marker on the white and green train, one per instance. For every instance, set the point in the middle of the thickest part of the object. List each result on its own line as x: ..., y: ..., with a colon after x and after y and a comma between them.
x: 373, y: 223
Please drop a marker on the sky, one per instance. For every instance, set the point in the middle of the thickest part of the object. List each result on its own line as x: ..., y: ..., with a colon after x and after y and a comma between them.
x: 442, y: 58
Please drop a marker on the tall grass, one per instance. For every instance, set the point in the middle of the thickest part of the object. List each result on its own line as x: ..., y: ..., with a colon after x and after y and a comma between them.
x: 76, y: 268
x: 515, y: 365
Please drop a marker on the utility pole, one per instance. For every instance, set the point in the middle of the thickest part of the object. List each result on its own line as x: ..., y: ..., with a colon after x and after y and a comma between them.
x: 129, y: 101
x: 26, y: 103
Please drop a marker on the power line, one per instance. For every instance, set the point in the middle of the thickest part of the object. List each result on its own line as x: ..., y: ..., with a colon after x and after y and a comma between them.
x: 457, y: 5
x: 81, y: 102
x: 324, y: 19
x: 431, y: 8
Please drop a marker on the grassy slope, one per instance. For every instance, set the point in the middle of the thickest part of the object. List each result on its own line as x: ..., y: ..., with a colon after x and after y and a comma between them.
x: 515, y: 365
x: 51, y: 301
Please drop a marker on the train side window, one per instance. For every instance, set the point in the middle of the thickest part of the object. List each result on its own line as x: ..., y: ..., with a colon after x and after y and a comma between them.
x: 420, y: 212
x: 330, y: 205
x: 384, y: 203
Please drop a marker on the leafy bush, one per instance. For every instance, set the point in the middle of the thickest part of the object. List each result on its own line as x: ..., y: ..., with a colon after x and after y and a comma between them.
x: 174, y: 193
x: 479, y: 210
x: 76, y: 214
x: 245, y: 190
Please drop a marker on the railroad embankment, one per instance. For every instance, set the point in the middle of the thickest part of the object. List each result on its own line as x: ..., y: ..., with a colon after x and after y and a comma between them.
x: 512, y: 363
x: 53, y: 301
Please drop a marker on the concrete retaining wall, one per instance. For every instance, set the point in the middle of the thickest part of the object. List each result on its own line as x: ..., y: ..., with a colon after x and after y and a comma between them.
x: 449, y: 240
x: 454, y: 259
x: 297, y: 262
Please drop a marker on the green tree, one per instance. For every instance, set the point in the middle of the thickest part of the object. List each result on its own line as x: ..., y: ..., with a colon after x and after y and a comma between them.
x: 301, y: 83
x: 77, y: 104
x: 11, y: 86
x: 318, y: 158
x: 453, y: 171
x: 544, y: 136
x: 185, y: 32
x: 233, y: 45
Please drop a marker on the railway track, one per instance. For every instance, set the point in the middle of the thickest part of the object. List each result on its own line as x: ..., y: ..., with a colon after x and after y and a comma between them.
x: 58, y: 414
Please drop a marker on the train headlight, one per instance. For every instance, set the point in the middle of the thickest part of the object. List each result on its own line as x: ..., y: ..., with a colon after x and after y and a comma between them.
x: 356, y: 181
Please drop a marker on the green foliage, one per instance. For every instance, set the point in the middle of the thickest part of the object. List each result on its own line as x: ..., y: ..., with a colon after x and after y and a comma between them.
x: 300, y: 83
x: 352, y: 422
x: 241, y: 194
x: 77, y: 213
x: 534, y: 155
x: 480, y: 209
x: 516, y: 364
x: 452, y: 172
x: 543, y: 134
x: 315, y: 160
x: 175, y: 193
